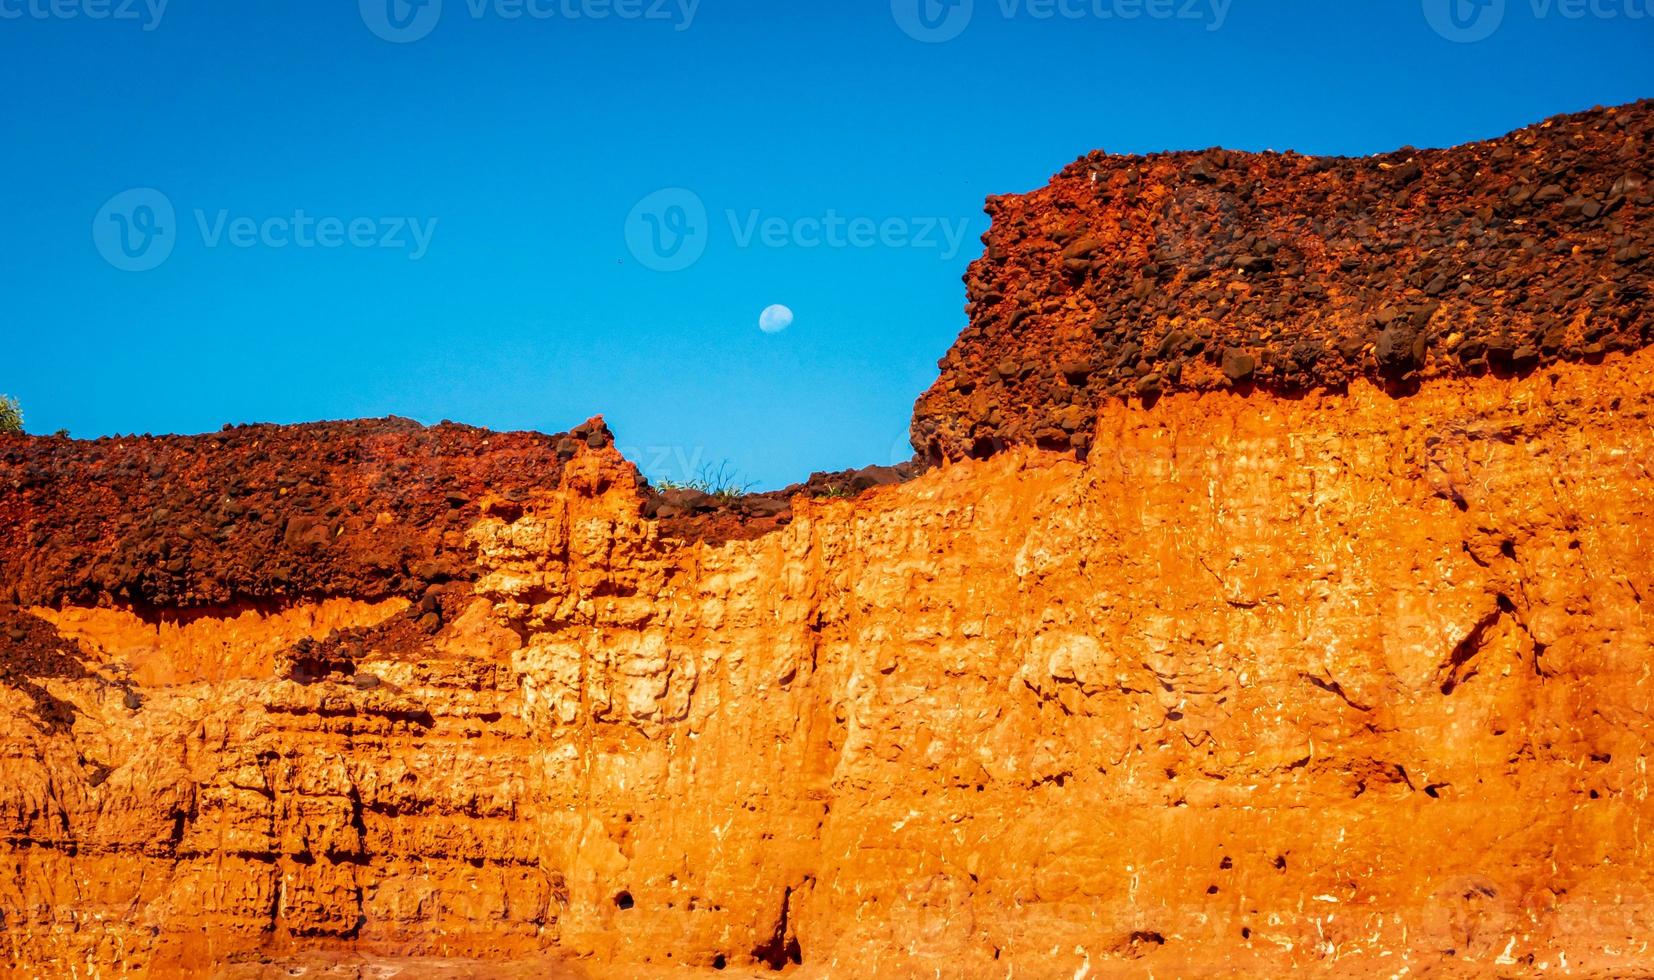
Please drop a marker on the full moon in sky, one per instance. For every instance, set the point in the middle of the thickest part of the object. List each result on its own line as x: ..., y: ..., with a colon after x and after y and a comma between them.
x: 775, y: 319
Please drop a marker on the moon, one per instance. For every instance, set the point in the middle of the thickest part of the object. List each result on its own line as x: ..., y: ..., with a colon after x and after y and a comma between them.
x: 775, y: 319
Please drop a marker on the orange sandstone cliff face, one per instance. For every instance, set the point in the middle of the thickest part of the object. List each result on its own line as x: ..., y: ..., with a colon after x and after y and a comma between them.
x: 1349, y: 681
x: 1263, y: 610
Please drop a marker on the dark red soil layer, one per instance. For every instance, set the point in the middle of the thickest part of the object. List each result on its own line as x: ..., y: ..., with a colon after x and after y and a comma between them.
x: 259, y: 516
x: 267, y: 514
x: 1133, y: 276
x: 366, y: 510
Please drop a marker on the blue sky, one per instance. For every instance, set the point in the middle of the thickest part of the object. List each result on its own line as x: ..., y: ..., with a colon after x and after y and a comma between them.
x: 840, y: 163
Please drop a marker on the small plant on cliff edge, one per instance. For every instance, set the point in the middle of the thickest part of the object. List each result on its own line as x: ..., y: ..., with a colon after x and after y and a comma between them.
x: 11, y: 416
x: 719, y: 481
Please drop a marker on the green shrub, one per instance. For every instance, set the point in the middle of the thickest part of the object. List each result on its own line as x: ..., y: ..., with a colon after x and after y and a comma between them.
x: 720, y: 481
x: 11, y: 416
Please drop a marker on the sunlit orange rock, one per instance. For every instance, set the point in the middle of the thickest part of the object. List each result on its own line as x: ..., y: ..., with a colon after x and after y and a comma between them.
x: 1350, y: 681
x: 1353, y: 680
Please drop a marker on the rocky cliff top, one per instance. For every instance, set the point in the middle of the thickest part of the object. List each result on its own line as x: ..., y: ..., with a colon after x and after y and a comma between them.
x: 366, y: 509
x: 1132, y: 276
x: 1125, y: 277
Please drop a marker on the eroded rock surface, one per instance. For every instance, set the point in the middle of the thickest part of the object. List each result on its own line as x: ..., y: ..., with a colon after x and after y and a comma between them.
x: 1348, y: 681
x: 1131, y: 277
x: 1344, y: 669
x: 367, y: 510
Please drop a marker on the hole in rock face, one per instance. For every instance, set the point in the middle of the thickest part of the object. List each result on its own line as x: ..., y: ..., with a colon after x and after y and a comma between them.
x: 780, y: 949
x: 719, y: 962
x: 310, y: 669
x: 1246, y: 932
x: 624, y: 901
x: 1280, y: 862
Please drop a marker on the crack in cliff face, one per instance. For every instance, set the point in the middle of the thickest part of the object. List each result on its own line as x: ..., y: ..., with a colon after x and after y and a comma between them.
x: 1336, y: 689
x: 1456, y: 669
x: 1459, y: 668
